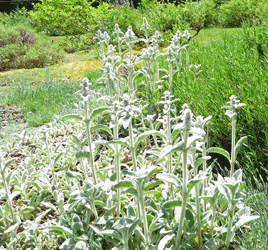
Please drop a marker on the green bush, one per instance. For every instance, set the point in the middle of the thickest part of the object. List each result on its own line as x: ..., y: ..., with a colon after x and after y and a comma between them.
x: 202, y: 13
x: 233, y: 12
x: 166, y: 18
x: 61, y: 17
x: 22, y: 47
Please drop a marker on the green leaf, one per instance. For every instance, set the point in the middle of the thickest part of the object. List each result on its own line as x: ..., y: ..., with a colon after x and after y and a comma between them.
x: 97, y: 111
x: 153, y: 184
x: 72, y: 174
x: 172, y: 204
x: 223, y: 190
x: 145, y: 134
x: 133, y: 227
x: 58, y: 157
x: 212, y: 244
x: 152, y: 192
x: 26, y: 210
x: 131, y: 211
x: 113, y: 177
x: 124, y: 184
x: 102, y: 127
x: 60, y: 230
x: 49, y: 205
x: 239, y: 144
x: 130, y: 190
x: 82, y: 154
x: 9, y: 162
x: 72, y: 116
x: 154, y: 222
x: 100, y: 203
x: 170, y: 178
x: 198, y: 178
x: 201, y: 160
x: 164, y: 241
x: 110, y: 211
x: 219, y: 151
x: 111, y: 233
x: 117, y: 142
x: 13, y: 228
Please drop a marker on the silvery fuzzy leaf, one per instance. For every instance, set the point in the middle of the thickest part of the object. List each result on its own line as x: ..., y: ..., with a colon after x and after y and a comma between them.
x: 219, y: 151
x: 197, y: 131
x: 172, y: 204
x: 154, y: 222
x: 230, y: 113
x: 192, y: 139
x: 111, y: 233
x: 61, y: 230
x: 97, y: 111
x: 223, y: 190
x: 72, y: 116
x: 198, y: 178
x: 80, y: 245
x: 164, y: 241
x: 145, y: 134
x: 239, y: 144
x: 102, y: 127
x: 244, y: 220
x: 170, y: 149
x: 124, y: 184
x: 170, y: 178
x: 238, y: 175
x: 201, y: 160
x: 124, y: 121
x: 239, y: 105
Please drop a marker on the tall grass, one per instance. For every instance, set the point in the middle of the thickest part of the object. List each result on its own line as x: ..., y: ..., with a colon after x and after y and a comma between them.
x: 40, y: 103
x: 257, y: 236
x: 229, y: 66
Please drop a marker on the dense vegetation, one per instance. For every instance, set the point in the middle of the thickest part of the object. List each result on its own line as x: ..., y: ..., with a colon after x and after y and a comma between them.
x: 85, y: 200
x: 22, y: 47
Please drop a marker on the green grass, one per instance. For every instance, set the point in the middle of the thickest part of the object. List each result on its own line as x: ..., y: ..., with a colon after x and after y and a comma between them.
x: 40, y: 103
x: 256, y: 235
x: 215, y: 34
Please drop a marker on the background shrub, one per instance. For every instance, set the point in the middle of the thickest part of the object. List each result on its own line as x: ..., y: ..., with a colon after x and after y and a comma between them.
x: 233, y: 12
x: 22, y: 47
x: 203, y: 13
x: 167, y: 18
x: 61, y: 17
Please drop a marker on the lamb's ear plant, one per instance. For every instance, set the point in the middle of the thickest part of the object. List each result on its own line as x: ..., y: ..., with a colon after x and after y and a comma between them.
x: 87, y: 120
x: 168, y: 103
x: 140, y: 178
x: 235, y: 147
x: 145, y: 26
x: 7, y: 177
x: 114, y: 125
x: 118, y: 39
x: 50, y: 162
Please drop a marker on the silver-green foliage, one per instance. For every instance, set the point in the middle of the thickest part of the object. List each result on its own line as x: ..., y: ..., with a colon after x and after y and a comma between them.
x: 140, y: 183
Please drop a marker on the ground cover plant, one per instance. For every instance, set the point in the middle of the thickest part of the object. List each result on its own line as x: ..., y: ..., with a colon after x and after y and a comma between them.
x: 144, y: 182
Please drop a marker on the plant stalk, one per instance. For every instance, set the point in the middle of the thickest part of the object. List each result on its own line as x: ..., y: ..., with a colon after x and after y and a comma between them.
x: 90, y: 144
x: 184, y: 192
x: 233, y: 147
